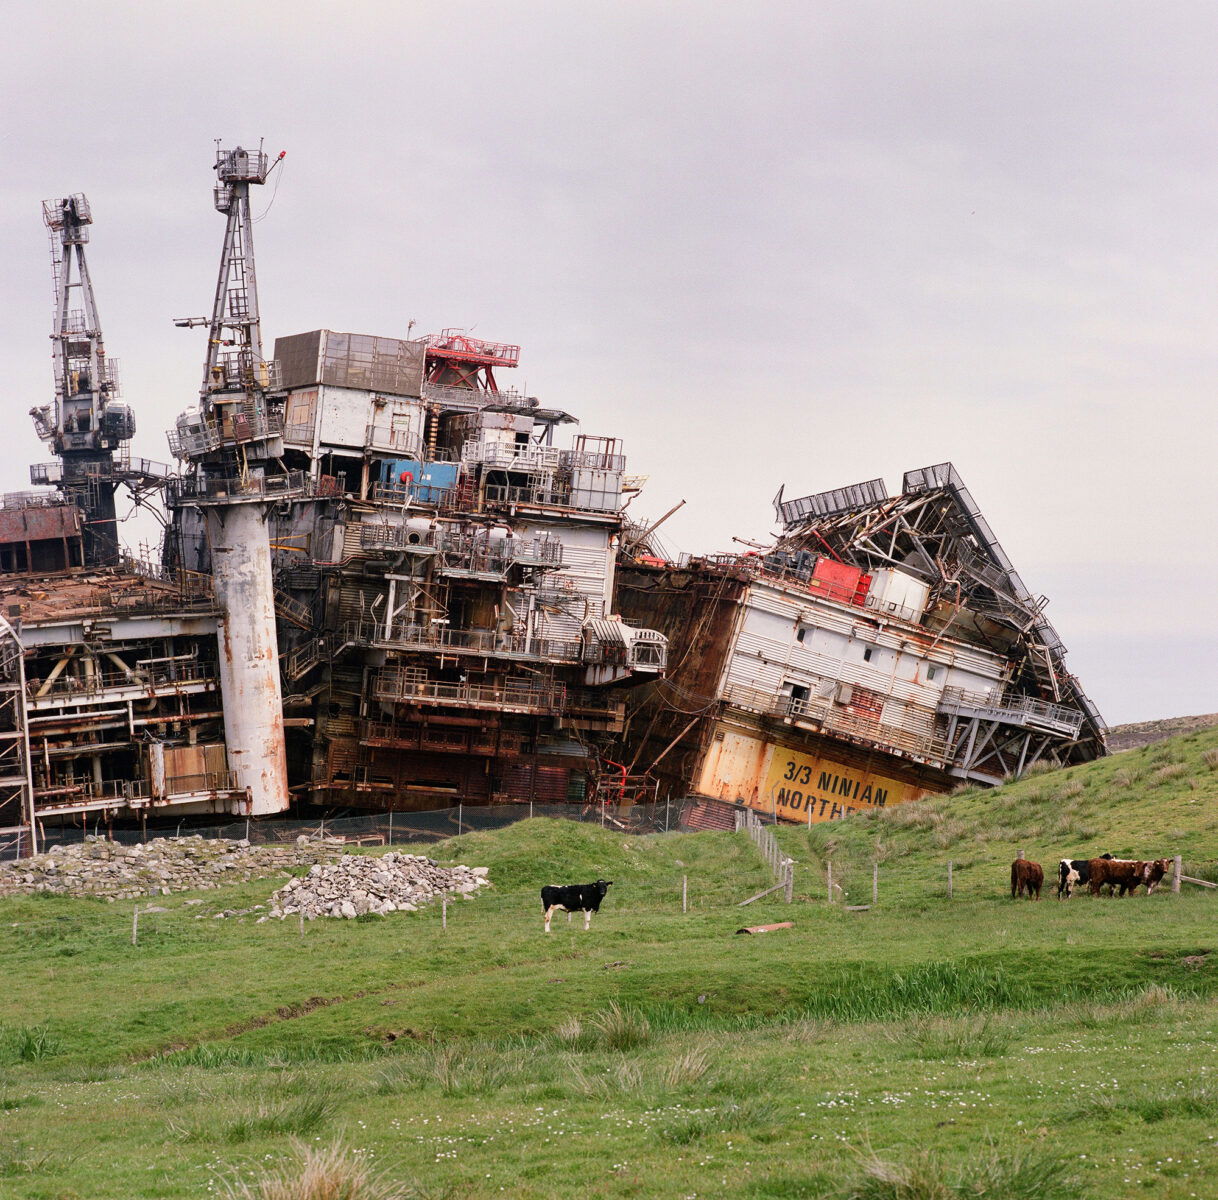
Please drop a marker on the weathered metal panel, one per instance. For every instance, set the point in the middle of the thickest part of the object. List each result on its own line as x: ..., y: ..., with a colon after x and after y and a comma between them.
x: 795, y: 785
x: 40, y: 522
x: 249, y: 654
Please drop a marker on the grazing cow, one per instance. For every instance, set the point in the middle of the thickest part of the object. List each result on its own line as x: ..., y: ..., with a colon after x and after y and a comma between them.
x: 1074, y: 872
x: 574, y: 897
x: 1026, y: 877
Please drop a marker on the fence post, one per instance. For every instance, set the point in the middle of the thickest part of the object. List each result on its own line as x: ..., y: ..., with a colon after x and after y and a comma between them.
x: 530, y: 809
x: 1177, y: 871
x: 685, y: 893
x: 135, y: 925
x: 789, y: 893
x: 391, y: 826
x: 460, y: 814
x: 829, y: 877
x: 949, y: 879
x: 875, y: 883
x: 444, y: 911
x: 247, y: 829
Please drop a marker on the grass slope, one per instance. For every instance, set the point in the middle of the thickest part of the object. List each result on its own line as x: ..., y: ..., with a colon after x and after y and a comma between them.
x: 925, y: 1048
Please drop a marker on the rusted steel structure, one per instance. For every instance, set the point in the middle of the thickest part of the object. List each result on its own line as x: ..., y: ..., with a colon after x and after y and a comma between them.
x: 387, y: 582
x: 232, y: 447
x: 446, y: 588
x: 384, y: 584
x: 883, y: 649
x: 86, y: 426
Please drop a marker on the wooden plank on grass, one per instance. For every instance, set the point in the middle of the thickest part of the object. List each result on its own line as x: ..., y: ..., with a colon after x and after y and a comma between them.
x: 766, y: 928
x: 768, y: 890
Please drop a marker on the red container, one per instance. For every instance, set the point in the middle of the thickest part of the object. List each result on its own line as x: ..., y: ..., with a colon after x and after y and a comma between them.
x: 840, y: 581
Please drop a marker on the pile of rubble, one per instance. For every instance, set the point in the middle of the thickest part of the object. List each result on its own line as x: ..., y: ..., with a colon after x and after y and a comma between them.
x: 98, y: 867
x: 356, y: 885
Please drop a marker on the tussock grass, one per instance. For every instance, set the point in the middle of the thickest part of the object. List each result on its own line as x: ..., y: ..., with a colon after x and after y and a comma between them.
x: 1149, y: 1004
x: 457, y: 1070
x: 951, y: 1038
x: 28, y: 1043
x: 620, y: 1028
x: 322, y: 1173
x: 1025, y: 1176
x: 223, y: 1055
x: 1199, y: 1101
x: 299, y: 1117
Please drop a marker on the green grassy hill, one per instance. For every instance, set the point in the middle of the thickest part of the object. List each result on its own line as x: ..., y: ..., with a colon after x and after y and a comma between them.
x: 925, y: 1047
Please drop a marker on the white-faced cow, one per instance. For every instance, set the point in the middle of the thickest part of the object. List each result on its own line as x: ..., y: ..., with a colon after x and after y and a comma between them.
x: 1126, y: 875
x: 574, y: 897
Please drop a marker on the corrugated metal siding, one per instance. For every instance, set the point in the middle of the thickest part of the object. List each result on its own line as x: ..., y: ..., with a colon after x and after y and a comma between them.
x: 583, y: 583
x: 767, y: 653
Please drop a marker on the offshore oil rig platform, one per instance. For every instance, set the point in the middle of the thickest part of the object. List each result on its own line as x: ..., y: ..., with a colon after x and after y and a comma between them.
x: 384, y: 584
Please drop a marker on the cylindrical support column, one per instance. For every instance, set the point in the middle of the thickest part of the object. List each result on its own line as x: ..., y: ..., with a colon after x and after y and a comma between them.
x: 249, y: 654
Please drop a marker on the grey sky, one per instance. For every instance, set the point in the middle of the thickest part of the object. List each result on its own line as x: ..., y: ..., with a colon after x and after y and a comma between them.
x: 802, y: 243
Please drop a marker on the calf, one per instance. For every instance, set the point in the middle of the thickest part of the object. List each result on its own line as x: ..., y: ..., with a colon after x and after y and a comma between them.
x: 574, y: 897
x: 1026, y: 877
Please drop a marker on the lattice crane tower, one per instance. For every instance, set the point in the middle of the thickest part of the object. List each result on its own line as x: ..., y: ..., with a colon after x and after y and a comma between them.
x: 85, y: 425
x: 229, y: 442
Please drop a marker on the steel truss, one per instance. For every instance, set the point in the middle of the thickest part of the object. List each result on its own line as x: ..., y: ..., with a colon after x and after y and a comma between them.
x: 935, y: 531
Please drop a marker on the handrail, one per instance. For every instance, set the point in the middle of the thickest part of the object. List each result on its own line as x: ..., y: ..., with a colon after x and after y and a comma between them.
x: 1015, y: 705
x: 838, y: 719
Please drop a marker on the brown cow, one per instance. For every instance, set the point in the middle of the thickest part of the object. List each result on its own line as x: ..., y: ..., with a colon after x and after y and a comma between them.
x: 1026, y: 877
x: 1125, y: 876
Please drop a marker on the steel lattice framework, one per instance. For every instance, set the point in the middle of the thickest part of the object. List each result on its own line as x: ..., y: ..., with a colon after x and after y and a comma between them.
x: 935, y: 531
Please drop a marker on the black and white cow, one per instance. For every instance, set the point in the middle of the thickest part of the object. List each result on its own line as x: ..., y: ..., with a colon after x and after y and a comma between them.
x: 1072, y: 873
x: 574, y: 897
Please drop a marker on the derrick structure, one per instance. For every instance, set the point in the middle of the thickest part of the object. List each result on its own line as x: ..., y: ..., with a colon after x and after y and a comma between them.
x: 231, y: 444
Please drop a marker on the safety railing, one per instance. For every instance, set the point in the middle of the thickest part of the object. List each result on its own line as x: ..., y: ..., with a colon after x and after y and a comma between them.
x: 403, y: 686
x: 836, y: 718
x: 1021, y: 710
x: 406, y: 442
x: 198, y: 488
x: 553, y: 495
x: 475, y: 641
x: 517, y: 458
x: 469, y: 400
x: 200, y: 435
x: 187, y: 785
x: 153, y: 678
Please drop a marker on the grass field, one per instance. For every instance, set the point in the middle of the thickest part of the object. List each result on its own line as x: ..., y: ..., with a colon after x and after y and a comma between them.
x: 926, y: 1048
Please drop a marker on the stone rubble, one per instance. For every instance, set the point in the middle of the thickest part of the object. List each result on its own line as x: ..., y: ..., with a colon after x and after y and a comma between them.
x: 98, y: 867
x: 356, y: 885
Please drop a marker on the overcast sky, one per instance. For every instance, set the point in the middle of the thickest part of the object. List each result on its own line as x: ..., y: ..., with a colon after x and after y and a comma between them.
x: 804, y: 243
